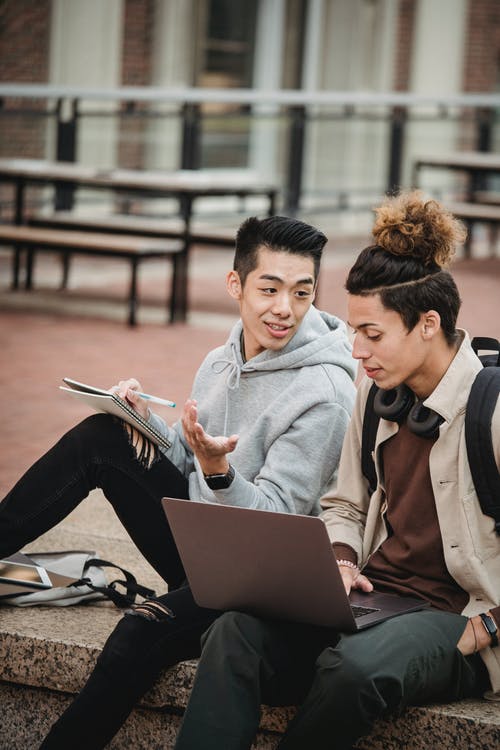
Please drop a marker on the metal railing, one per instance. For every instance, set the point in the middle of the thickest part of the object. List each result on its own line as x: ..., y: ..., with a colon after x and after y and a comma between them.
x: 331, y: 150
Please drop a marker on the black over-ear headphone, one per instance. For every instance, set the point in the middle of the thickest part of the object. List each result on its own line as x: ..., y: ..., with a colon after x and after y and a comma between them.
x: 399, y: 404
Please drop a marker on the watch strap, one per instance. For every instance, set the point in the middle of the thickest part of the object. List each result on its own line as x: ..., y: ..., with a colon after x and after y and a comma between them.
x: 220, y: 481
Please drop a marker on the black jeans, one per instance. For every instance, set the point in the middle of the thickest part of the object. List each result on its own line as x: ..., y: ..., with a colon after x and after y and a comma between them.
x: 97, y: 453
x: 134, y: 655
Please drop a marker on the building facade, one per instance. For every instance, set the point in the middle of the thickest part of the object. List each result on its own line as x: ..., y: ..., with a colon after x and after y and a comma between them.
x: 425, y: 47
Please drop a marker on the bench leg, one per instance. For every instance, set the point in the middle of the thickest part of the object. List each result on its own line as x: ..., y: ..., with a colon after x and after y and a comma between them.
x: 468, y: 239
x: 132, y: 298
x: 178, y: 288
x: 30, y: 261
x: 16, y: 266
x: 493, y: 240
x: 272, y: 203
x: 66, y: 260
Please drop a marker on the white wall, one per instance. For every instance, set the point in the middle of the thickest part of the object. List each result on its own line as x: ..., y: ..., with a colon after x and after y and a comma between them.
x: 356, y: 40
x: 85, y: 50
x: 174, y: 34
x: 437, y: 66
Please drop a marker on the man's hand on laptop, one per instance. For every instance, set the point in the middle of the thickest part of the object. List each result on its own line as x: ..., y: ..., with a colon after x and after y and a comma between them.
x: 210, y: 451
x: 353, y: 578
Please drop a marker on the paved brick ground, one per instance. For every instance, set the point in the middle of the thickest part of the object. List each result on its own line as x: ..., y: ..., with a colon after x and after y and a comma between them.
x: 47, y: 335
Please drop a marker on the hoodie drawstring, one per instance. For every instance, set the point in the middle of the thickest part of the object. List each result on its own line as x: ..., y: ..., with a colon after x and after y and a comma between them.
x: 232, y: 378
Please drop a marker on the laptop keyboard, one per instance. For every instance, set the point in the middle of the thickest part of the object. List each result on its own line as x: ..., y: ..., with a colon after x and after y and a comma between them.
x: 359, y: 611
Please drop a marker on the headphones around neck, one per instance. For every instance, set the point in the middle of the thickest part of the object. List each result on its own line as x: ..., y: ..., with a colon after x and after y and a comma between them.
x: 399, y: 404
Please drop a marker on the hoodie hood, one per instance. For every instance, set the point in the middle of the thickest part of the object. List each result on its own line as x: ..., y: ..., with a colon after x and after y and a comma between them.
x: 321, y: 339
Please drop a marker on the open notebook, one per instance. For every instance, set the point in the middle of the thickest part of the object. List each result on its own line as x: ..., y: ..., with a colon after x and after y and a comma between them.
x: 108, y: 402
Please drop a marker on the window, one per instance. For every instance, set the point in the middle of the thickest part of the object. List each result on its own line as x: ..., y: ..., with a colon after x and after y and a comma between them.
x: 225, y: 60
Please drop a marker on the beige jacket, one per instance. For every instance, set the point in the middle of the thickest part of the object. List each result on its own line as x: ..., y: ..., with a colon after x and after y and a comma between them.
x: 471, y: 546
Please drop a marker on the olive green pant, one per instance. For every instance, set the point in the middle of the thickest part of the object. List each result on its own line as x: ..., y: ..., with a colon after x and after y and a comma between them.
x: 342, y: 683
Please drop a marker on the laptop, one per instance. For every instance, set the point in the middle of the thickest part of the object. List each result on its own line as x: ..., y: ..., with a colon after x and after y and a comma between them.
x: 273, y: 565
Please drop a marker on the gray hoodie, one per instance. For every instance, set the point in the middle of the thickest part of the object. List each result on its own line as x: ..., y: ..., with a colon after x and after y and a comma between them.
x: 290, y: 409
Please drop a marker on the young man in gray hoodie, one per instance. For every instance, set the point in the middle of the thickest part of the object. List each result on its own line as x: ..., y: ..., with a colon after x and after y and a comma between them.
x: 263, y: 429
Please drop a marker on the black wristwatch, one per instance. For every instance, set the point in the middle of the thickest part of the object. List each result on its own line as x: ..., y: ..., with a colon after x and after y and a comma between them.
x: 491, y: 627
x: 220, y: 481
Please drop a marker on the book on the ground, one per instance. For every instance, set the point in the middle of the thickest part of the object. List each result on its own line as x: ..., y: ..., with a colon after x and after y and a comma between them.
x: 111, y: 403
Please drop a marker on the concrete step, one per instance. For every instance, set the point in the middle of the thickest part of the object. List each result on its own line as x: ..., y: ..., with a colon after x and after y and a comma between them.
x: 46, y: 655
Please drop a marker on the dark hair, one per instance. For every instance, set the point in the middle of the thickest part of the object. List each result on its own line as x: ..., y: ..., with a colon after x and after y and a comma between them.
x: 415, y: 240
x: 277, y: 233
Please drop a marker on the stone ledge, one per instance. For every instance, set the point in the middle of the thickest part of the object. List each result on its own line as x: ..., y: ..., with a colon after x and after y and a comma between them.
x: 38, y: 673
x: 47, y: 653
x: 27, y: 714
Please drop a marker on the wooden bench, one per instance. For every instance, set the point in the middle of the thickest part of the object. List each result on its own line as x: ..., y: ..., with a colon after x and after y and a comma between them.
x: 131, y: 248
x: 201, y: 234
x: 149, y: 226
x: 487, y: 196
x: 477, y: 213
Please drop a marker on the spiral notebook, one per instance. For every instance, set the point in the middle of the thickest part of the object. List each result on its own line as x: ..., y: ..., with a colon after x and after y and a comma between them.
x: 111, y: 403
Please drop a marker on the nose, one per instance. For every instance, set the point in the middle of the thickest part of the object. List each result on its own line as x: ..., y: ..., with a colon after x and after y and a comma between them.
x: 281, y: 305
x: 359, y: 348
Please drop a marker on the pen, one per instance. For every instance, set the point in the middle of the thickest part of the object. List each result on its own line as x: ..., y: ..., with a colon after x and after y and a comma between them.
x: 155, y: 399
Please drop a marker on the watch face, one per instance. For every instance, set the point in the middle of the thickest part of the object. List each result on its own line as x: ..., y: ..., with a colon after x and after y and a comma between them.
x: 491, y: 628
x: 489, y: 624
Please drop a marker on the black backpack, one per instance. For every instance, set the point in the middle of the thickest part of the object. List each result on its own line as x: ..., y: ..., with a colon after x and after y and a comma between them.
x: 479, y: 412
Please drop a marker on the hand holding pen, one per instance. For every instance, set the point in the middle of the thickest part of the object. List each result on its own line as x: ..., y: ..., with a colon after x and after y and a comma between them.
x: 131, y: 391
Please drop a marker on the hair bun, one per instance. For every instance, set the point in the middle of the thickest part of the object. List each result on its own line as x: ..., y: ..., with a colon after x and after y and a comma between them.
x: 408, y: 224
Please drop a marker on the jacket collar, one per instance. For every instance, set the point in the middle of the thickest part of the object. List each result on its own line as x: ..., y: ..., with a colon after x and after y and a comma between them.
x: 450, y: 396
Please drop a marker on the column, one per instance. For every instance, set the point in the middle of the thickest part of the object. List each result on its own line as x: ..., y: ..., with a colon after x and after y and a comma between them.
x: 436, y: 68
x: 85, y: 50
x: 267, y: 74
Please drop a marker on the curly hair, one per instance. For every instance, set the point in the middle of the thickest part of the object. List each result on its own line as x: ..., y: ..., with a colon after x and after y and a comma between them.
x: 415, y: 240
x: 423, y: 229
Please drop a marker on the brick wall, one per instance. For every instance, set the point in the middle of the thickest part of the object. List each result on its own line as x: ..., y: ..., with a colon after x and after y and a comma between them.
x: 24, y: 52
x: 482, y: 47
x: 24, y: 55
x: 136, y: 71
x: 24, y: 40
x: 404, y: 39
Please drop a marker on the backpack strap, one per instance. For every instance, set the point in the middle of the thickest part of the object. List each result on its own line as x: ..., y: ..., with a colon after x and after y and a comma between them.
x: 485, y: 343
x: 478, y: 416
x: 132, y: 588
x: 370, y: 427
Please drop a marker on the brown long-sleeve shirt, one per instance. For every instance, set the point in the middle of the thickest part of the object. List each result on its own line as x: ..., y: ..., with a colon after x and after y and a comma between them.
x: 411, y: 560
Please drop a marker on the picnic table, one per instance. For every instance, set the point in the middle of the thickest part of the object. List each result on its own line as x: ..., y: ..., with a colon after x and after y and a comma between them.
x: 478, y: 204
x: 474, y: 164
x: 186, y: 186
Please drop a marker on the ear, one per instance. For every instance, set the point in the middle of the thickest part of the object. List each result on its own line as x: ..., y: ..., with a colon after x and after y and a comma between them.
x: 233, y: 285
x: 430, y: 324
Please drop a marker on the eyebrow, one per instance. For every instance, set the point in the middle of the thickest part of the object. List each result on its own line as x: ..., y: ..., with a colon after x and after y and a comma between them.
x: 271, y: 277
x: 362, y: 325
